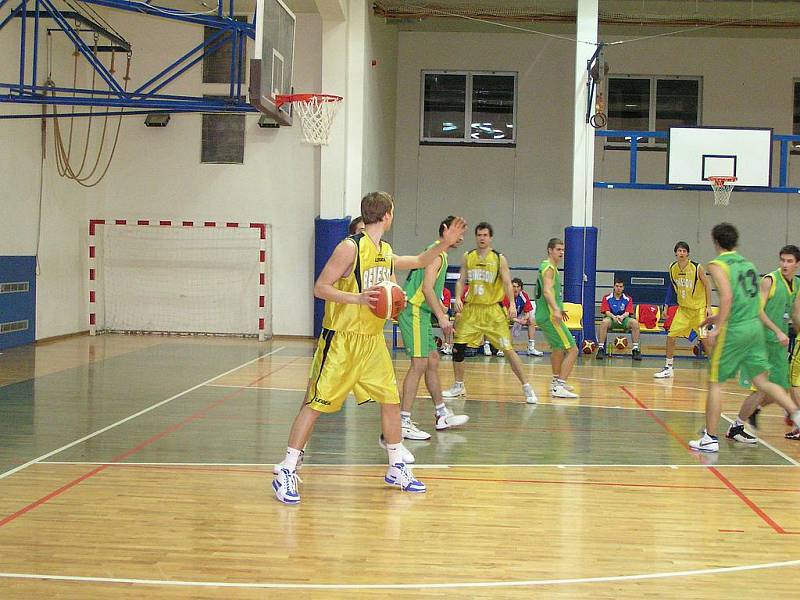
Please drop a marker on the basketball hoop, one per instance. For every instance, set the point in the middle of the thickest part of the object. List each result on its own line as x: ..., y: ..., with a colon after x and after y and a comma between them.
x: 316, y: 113
x: 723, y: 187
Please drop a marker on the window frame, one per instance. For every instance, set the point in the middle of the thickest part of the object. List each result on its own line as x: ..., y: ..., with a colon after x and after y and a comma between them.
x: 467, y: 140
x: 653, y: 143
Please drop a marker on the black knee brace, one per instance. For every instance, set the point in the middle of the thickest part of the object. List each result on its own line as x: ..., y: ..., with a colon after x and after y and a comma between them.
x: 458, y: 352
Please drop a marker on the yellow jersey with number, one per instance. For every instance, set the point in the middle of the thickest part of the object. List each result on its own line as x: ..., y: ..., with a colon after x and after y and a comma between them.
x: 689, y: 288
x: 483, y: 278
x: 372, y: 265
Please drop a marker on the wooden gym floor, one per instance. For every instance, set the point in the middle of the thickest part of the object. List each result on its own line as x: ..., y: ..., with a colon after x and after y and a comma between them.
x: 140, y: 467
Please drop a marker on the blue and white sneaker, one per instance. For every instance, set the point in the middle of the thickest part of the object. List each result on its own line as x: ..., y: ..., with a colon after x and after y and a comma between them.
x: 285, y: 486
x: 401, y: 476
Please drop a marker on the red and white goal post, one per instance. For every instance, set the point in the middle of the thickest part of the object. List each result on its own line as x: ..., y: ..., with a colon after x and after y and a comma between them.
x: 183, y: 277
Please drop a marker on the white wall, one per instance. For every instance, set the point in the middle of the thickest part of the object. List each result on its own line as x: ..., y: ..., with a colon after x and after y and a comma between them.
x: 525, y: 191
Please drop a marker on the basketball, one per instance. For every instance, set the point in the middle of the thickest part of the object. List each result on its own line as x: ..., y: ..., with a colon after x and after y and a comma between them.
x: 391, y: 301
x: 620, y: 342
x: 589, y: 346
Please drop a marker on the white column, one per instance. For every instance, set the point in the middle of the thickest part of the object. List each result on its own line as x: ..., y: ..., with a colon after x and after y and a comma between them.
x: 343, y: 67
x: 583, y: 157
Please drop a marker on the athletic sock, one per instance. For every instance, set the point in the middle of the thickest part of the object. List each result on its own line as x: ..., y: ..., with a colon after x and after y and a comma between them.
x: 600, y: 346
x: 669, y: 362
x: 395, y: 452
x: 405, y: 415
x: 738, y: 422
x: 796, y: 418
x: 292, y: 456
x: 635, y: 346
x: 441, y: 409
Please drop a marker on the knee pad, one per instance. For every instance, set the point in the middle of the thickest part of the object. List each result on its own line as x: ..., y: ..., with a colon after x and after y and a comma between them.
x: 458, y: 352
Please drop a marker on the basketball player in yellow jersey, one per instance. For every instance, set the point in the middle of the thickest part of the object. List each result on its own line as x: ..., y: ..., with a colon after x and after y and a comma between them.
x: 351, y: 353
x: 693, y: 291
x: 486, y: 272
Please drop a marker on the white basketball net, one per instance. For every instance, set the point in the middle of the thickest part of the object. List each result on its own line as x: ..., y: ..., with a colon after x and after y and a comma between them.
x: 723, y: 188
x: 316, y: 116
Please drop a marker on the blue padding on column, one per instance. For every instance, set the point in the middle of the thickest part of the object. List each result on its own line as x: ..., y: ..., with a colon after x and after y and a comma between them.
x: 18, y: 303
x: 581, y: 259
x: 327, y: 234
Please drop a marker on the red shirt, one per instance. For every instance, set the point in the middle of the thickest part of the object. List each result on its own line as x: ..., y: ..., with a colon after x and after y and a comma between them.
x: 522, y: 303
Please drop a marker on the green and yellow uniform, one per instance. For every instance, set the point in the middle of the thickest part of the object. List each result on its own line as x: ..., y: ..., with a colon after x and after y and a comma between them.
x: 415, y: 320
x: 740, y: 346
x: 483, y: 314
x: 691, y: 293
x: 351, y: 353
x: 558, y: 335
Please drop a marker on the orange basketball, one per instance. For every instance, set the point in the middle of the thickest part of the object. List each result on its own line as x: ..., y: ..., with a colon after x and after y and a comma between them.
x: 391, y: 301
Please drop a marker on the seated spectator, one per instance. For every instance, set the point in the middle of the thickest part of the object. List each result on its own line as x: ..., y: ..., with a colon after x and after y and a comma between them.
x: 617, y: 310
x: 525, y: 318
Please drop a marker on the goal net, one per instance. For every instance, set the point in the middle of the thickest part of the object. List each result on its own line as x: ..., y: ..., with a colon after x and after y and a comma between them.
x: 178, y: 277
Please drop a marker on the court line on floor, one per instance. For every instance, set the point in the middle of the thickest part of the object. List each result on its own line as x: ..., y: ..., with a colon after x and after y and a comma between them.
x: 736, y: 491
x: 406, y: 586
x: 133, y: 416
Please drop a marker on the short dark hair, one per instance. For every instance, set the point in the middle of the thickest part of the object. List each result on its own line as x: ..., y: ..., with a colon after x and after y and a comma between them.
x: 683, y: 245
x: 725, y: 235
x: 518, y: 281
x: 446, y: 223
x: 553, y: 242
x: 619, y: 280
x: 791, y: 249
x: 354, y: 225
x: 484, y: 225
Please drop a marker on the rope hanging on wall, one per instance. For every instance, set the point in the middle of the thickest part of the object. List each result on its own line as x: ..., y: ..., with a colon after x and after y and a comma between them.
x: 68, y: 166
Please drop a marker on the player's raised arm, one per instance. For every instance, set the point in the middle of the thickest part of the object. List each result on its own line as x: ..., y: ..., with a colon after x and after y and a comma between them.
x: 450, y: 237
x: 339, y: 265
x: 505, y: 276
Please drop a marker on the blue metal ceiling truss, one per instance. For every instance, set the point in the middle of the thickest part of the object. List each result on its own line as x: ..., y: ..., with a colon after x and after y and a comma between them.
x: 632, y: 144
x: 147, y: 97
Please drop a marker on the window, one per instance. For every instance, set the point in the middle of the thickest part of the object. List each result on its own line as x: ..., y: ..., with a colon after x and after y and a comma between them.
x: 223, y: 137
x: 651, y: 103
x: 468, y: 107
x: 217, y: 64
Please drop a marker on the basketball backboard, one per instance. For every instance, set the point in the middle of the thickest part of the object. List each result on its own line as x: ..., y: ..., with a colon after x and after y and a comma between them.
x: 271, y: 65
x: 697, y: 153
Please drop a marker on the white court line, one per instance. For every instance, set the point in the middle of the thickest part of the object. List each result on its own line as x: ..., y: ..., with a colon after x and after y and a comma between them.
x: 407, y: 586
x: 133, y: 416
x: 417, y: 466
x: 767, y: 445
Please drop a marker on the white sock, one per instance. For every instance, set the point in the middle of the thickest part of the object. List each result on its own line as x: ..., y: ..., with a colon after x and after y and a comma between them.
x: 669, y: 362
x: 738, y: 422
x: 395, y: 452
x: 405, y: 415
x: 796, y: 418
x: 441, y: 409
x: 292, y: 456
x: 635, y: 346
x: 601, y: 345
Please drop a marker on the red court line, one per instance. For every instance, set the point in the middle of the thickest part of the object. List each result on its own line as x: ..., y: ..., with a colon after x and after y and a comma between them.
x: 752, y: 505
x: 64, y: 488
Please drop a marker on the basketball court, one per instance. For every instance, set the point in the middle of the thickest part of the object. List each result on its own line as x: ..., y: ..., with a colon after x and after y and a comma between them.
x: 157, y: 312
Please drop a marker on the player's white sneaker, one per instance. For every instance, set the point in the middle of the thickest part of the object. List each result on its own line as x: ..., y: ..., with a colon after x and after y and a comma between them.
x: 530, y: 395
x: 706, y: 443
x: 285, y: 487
x: 663, y: 373
x: 456, y: 391
x: 500, y: 353
x: 532, y: 351
x: 407, y: 456
x: 447, y: 349
x: 401, y: 476
x: 559, y: 391
x: 450, y: 419
x: 487, y: 351
x: 277, y: 468
x: 412, y: 432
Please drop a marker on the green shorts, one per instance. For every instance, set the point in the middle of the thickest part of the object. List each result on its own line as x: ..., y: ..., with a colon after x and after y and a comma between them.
x: 557, y: 334
x: 614, y: 326
x: 739, y: 349
x: 778, y: 366
x: 417, y: 331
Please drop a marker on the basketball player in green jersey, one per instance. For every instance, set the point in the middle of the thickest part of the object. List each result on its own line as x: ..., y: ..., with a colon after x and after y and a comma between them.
x: 779, y: 292
x: 424, y: 289
x: 351, y: 353
x: 550, y: 318
x: 482, y: 315
x: 737, y: 340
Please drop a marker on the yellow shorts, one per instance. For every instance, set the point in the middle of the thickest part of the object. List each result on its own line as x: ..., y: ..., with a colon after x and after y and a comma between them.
x: 794, y: 367
x: 687, y: 320
x: 346, y: 362
x: 483, y: 320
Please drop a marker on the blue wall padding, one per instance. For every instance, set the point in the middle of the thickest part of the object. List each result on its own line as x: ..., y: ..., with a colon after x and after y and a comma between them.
x: 580, y: 259
x: 327, y: 234
x: 18, y: 306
